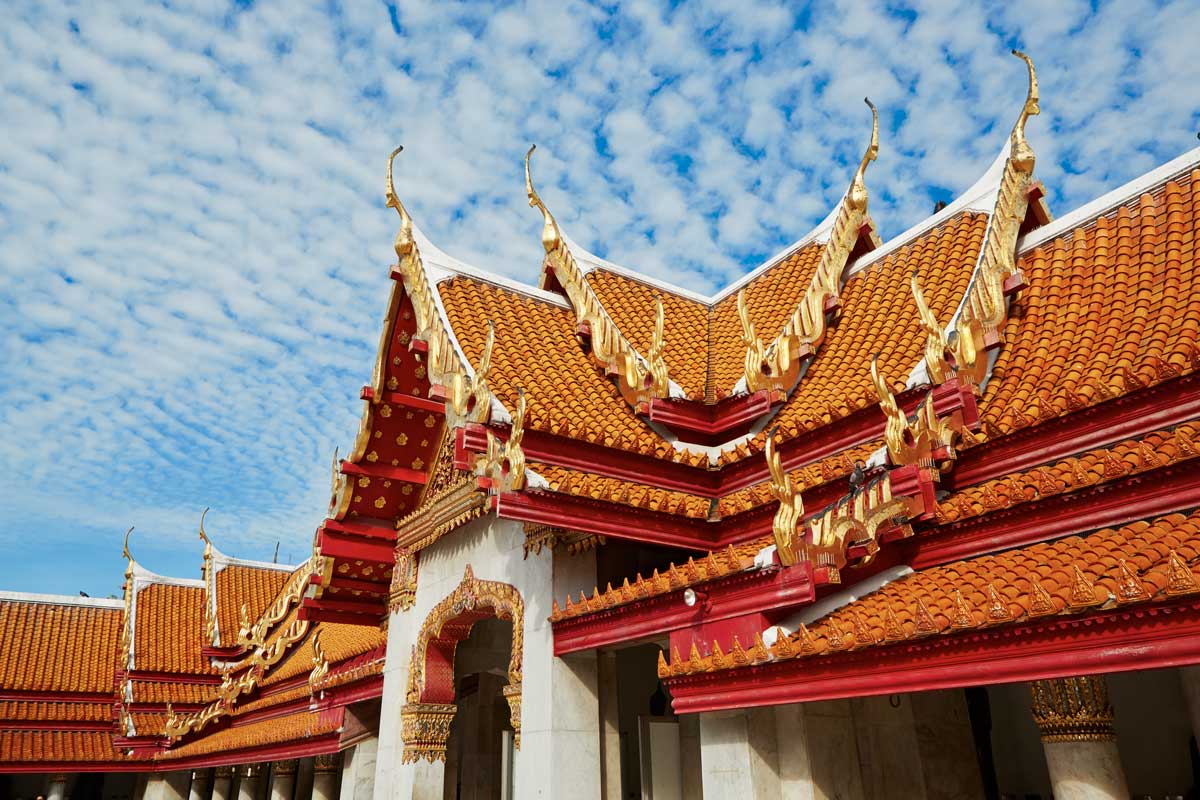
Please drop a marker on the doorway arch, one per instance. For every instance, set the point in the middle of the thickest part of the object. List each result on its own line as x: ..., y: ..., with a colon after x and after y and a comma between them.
x: 429, y: 706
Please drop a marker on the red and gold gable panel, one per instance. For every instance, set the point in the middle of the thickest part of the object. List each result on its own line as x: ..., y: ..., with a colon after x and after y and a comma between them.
x: 58, y: 648
x: 1109, y: 308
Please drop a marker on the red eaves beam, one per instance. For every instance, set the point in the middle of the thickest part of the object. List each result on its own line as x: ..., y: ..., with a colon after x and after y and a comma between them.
x: 405, y: 400
x: 384, y: 471
x: 335, y: 544
x: 742, y: 593
x: 1141, y: 496
x: 1145, y: 636
x: 710, y: 424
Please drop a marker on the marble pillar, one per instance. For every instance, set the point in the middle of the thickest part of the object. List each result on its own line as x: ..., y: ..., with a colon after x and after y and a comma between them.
x: 325, y: 776
x: 1189, y: 678
x: 283, y: 780
x: 1076, y: 723
x: 739, y: 755
x: 199, y: 789
x: 168, y: 786
x: 610, y: 735
x: 222, y: 783
x: 690, y: 765
x: 248, y: 776
x: 358, y: 774
x: 57, y: 789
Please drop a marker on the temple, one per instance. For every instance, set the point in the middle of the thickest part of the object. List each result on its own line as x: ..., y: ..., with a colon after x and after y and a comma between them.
x: 916, y: 518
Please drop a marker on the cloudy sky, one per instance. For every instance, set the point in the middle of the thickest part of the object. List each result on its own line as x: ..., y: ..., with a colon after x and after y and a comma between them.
x: 194, y: 248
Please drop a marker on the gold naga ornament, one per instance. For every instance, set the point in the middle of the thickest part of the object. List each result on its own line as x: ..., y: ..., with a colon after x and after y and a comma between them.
x: 504, y: 463
x: 320, y: 662
x: 777, y: 366
x: 639, y: 380
x: 789, y: 518
x: 984, y: 310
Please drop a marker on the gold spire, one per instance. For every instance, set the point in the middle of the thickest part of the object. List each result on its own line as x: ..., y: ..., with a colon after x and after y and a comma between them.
x: 125, y: 546
x: 203, y: 535
x: 551, y: 235
x: 857, y: 196
x: 404, y: 237
x: 1021, y: 153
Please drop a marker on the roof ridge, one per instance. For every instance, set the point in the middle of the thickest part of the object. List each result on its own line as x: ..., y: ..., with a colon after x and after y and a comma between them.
x: 115, y: 603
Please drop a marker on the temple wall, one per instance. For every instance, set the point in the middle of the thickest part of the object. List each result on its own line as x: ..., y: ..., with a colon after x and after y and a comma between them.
x: 559, y: 753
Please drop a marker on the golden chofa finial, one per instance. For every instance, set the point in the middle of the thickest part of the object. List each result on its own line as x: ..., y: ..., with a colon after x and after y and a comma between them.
x: 125, y: 546
x: 1021, y: 153
x: 857, y: 197
x: 551, y: 237
x: 404, y: 238
x: 203, y: 535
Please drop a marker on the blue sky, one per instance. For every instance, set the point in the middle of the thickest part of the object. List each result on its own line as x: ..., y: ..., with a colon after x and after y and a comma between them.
x: 194, y: 247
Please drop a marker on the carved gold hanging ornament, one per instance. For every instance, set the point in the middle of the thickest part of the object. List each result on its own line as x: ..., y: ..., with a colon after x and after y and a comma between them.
x: 504, y: 462
x: 639, y: 379
x: 983, y: 314
x: 425, y: 718
x: 789, y: 519
x: 776, y: 367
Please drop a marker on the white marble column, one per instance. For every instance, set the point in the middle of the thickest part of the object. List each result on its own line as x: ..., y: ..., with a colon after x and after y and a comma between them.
x: 248, y: 781
x: 222, y: 783
x: 283, y: 780
x: 1076, y: 723
x: 739, y: 755
x: 168, y: 786
x: 610, y: 735
x: 57, y: 790
x: 1189, y: 678
x: 199, y: 789
x: 358, y: 774
x: 325, y: 776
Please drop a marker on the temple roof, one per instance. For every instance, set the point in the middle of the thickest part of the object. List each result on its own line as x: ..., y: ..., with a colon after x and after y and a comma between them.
x: 58, y: 644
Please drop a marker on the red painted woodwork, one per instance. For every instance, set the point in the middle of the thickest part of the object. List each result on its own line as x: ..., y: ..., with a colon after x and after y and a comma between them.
x: 370, y: 529
x: 1149, y: 636
x: 378, y: 470
x: 734, y: 596
x: 1147, y: 494
x: 339, y: 545
x: 710, y: 424
x: 405, y: 400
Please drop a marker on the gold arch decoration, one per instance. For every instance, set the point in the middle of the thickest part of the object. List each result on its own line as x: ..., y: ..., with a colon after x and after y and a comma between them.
x: 425, y: 719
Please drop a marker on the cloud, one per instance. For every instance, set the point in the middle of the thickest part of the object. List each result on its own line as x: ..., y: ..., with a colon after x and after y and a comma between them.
x: 195, y: 248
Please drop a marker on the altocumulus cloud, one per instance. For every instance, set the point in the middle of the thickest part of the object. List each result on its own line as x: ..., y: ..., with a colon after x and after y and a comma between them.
x: 193, y: 246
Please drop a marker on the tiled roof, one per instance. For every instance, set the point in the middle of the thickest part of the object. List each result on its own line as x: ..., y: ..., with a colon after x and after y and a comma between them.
x: 637, y: 495
x: 1147, y: 561
x: 340, y: 642
x: 630, y: 304
x: 237, y: 584
x: 536, y: 350
x: 45, y: 712
x: 1093, y: 467
x: 879, y: 315
x: 169, y: 629
x: 827, y: 469
x: 292, y: 727
x: 172, y: 691
x: 58, y: 648
x: 52, y: 746
x: 1109, y: 307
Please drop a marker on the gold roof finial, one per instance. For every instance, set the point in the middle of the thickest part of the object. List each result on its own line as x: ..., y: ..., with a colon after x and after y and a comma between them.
x: 404, y: 238
x: 1021, y: 153
x: 790, y: 515
x: 857, y: 197
x: 335, y: 473
x: 203, y: 535
x: 551, y: 236
x: 125, y: 545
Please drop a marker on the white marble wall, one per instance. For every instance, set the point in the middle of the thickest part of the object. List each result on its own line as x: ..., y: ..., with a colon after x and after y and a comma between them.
x: 560, y: 752
x: 739, y: 755
x: 358, y: 770
x: 168, y: 786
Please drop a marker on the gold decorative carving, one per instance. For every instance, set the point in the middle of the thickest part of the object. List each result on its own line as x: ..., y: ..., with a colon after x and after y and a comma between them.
x: 1073, y: 709
x: 789, y: 518
x: 961, y: 353
x: 403, y: 591
x: 284, y: 768
x: 471, y: 595
x: 425, y: 729
x: 777, y: 366
x: 856, y: 520
x: 512, y: 694
x: 320, y: 662
x: 638, y: 379
x: 469, y: 397
x: 504, y: 463
x: 905, y: 443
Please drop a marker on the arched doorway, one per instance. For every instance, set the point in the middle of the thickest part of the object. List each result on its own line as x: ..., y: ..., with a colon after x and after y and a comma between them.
x: 430, y: 708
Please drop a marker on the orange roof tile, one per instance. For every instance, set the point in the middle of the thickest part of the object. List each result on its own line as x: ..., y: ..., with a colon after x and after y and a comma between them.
x: 58, y: 648
x: 339, y: 641
x: 1139, y: 562
x: 630, y: 304
x: 43, y: 712
x: 1091, y: 468
x: 53, y: 746
x: 613, y: 490
x: 300, y: 725
x: 536, y: 350
x: 172, y: 691
x: 1110, y: 306
x: 237, y: 584
x: 169, y: 629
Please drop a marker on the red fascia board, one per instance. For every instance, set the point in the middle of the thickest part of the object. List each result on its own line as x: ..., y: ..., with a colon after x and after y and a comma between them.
x: 338, y: 545
x: 351, y: 584
x: 710, y: 424
x: 1147, y: 494
x: 366, y: 530
x: 156, y: 708
x: 1160, y: 406
x: 345, y: 606
x: 607, y: 519
x: 1141, y: 637
x: 133, y: 765
x: 384, y: 471
x: 733, y: 596
x: 406, y: 400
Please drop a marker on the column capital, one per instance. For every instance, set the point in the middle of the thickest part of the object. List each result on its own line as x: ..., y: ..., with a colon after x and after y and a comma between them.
x: 58, y: 777
x: 200, y: 776
x: 1073, y: 709
x: 224, y: 772
x: 284, y: 768
x: 327, y: 762
x: 246, y: 771
x: 425, y: 729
